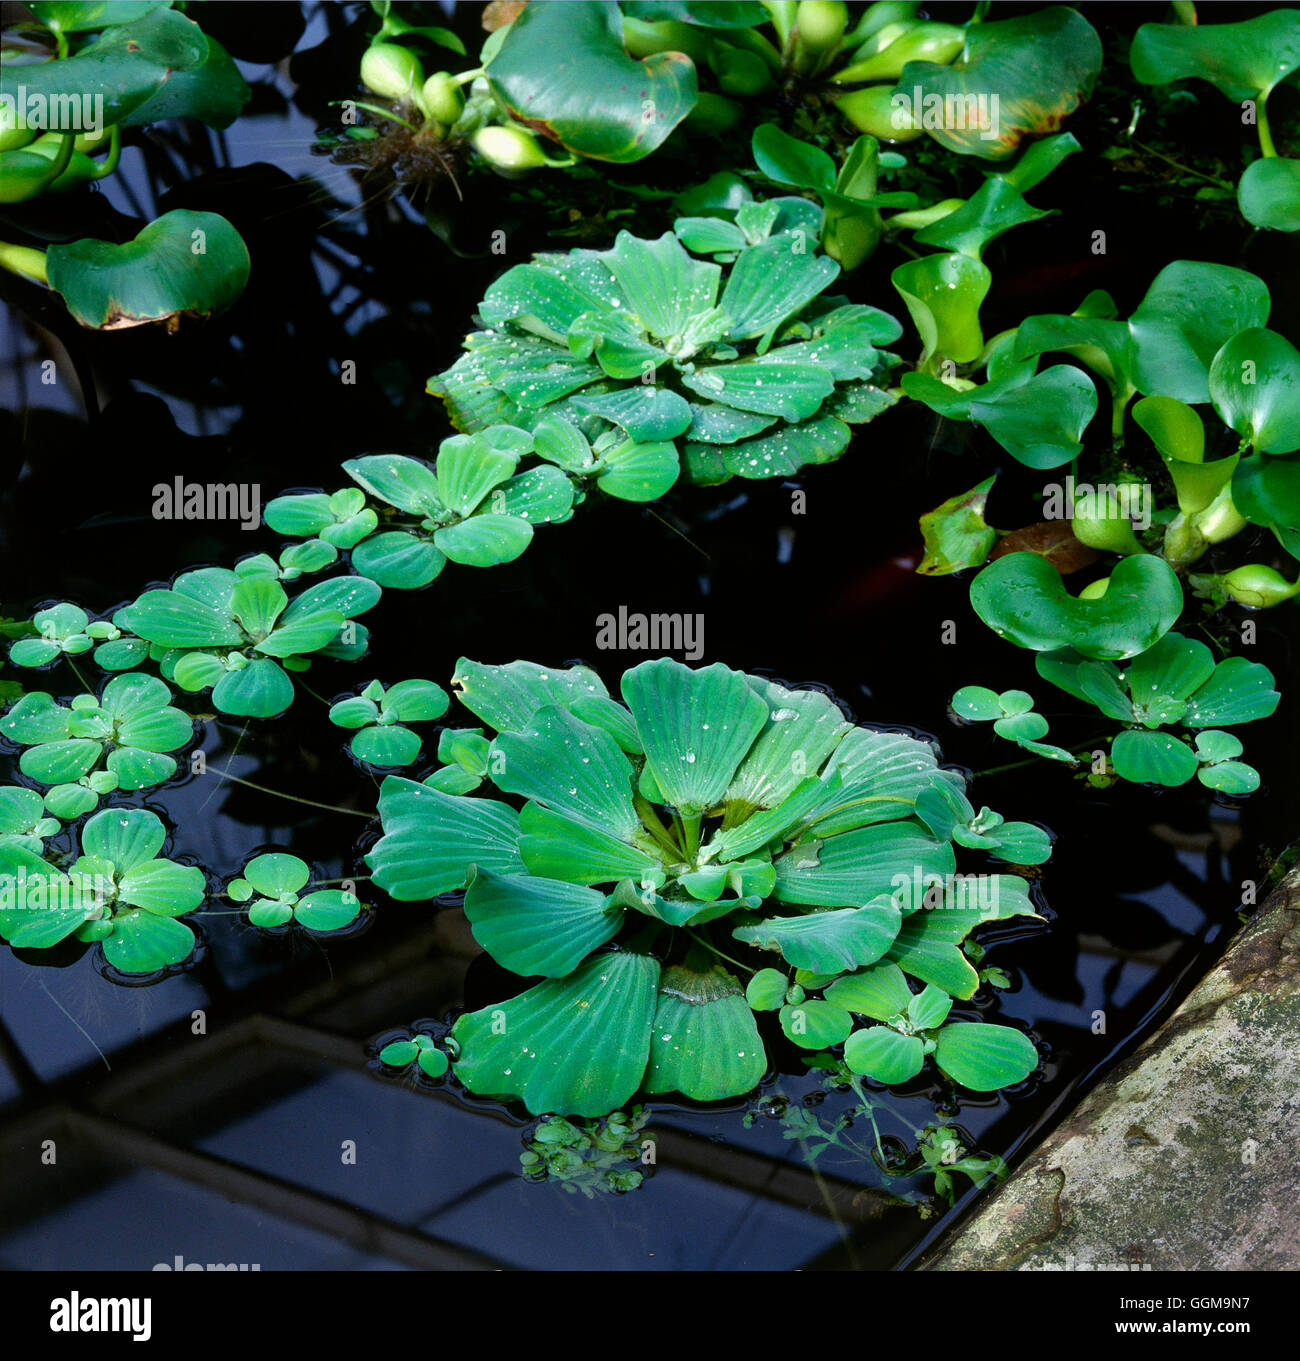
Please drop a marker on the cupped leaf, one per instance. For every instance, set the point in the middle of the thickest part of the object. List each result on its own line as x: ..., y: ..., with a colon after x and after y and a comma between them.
x: 1242, y: 59
x: 879, y: 991
x: 1255, y: 387
x: 813, y: 1024
x: 1152, y: 758
x: 943, y: 293
x: 396, y: 558
x: 956, y: 533
x: 1268, y: 194
x: 506, y: 696
x: 858, y: 866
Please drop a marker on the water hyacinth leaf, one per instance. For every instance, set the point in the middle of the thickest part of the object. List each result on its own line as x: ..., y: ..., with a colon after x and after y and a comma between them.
x: 154, y: 277
x: 484, y: 540
x: 956, y: 533
x: 1191, y: 309
x: 704, y: 1042
x: 1266, y: 491
x: 858, y: 866
x: 505, y: 697
x: 828, y: 942
x: 1041, y: 422
x: 1022, y: 598
x: 696, y: 727
x: 787, y: 161
x: 1040, y: 66
x: 556, y: 96
x: 766, y: 990
x: 813, y: 1024
x: 536, y: 926
x: 398, y: 559
x: 1242, y: 60
x: 386, y: 745
x: 1255, y: 387
x: 984, y: 1057
x: 571, y: 767
x: 259, y: 690
x: 994, y: 208
x: 879, y: 991
x: 572, y: 1046
x: 143, y: 942
x: 943, y: 294
x: 557, y: 847
x: 1268, y: 194
x: 638, y: 472
x: 125, y: 65
x: 430, y: 840
x: 213, y: 92
x: 883, y: 1054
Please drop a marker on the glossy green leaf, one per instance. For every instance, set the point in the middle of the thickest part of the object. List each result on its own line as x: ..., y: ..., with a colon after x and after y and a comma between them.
x: 1255, y: 387
x: 505, y: 697
x: 555, y: 95
x: 398, y: 559
x: 162, y: 273
x: 956, y: 533
x: 813, y: 1024
x: 879, y: 991
x: 390, y: 745
x: 943, y: 293
x: 1022, y: 598
x: 143, y: 942
x: 1242, y: 59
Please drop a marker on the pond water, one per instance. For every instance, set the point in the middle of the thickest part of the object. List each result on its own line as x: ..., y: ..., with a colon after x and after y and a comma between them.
x: 226, y: 1145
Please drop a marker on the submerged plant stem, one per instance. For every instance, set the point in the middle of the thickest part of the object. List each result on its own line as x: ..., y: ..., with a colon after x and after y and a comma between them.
x: 311, y: 803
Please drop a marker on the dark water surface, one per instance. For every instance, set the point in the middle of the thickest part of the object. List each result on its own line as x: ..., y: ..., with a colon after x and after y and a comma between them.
x: 228, y: 1146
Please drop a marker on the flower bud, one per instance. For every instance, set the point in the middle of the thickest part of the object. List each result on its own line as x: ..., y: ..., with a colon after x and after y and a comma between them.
x: 1258, y: 586
x: 391, y: 71
x: 820, y: 23
x: 873, y: 110
x: 923, y: 42
x: 510, y: 149
x: 441, y: 98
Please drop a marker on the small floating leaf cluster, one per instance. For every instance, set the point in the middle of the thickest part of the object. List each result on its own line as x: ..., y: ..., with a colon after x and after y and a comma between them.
x: 626, y: 363
x: 709, y: 812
